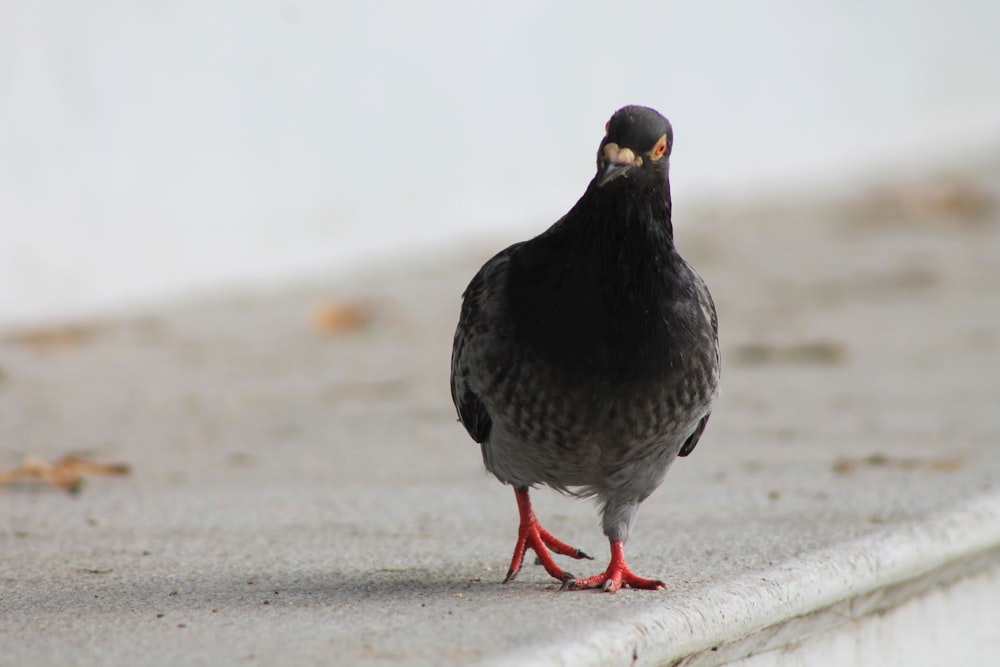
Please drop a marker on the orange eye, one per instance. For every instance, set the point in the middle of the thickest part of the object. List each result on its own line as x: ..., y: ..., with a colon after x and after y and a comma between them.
x: 661, y: 148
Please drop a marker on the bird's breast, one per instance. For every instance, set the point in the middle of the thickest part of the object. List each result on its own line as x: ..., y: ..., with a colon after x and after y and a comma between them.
x: 587, y: 327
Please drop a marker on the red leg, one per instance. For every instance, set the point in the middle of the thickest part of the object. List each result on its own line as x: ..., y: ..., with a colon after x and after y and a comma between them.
x: 617, y: 575
x: 531, y: 534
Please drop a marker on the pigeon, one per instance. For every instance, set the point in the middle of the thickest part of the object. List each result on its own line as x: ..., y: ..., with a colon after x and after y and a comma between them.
x: 586, y: 359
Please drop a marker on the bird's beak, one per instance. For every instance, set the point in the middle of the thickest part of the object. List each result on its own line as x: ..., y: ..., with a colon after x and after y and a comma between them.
x: 618, y: 161
x: 612, y: 171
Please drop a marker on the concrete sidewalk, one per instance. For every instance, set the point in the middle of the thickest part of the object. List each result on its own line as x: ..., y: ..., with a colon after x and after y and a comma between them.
x: 301, y: 498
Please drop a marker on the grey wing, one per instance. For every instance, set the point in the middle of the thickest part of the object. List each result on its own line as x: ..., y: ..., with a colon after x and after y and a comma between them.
x: 473, y: 415
x: 471, y: 411
x: 693, y: 439
x: 706, y: 302
x: 471, y: 324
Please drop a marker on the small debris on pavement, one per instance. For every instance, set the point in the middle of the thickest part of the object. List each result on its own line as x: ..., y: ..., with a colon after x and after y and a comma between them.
x: 814, y: 352
x: 240, y: 460
x: 59, y: 337
x: 335, y: 317
x: 66, y: 473
x: 846, y: 466
x: 944, y: 200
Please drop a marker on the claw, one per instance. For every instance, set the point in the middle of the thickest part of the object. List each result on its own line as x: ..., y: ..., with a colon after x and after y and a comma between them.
x: 531, y: 534
x: 579, y: 555
x: 616, y: 576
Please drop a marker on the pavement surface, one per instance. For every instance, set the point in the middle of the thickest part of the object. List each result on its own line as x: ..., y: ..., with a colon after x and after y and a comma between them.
x: 301, y: 492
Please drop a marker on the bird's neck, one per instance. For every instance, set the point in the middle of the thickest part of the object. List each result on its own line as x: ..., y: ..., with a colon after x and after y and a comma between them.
x: 596, y: 281
x: 626, y: 215
x: 615, y: 238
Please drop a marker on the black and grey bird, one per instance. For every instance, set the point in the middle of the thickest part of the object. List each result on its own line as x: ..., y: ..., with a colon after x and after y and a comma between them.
x: 587, y: 358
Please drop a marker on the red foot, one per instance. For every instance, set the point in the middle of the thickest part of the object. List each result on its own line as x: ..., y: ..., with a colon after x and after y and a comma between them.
x: 617, y: 575
x: 531, y: 534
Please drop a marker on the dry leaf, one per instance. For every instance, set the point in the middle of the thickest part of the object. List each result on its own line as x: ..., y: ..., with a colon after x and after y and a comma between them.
x: 66, y: 473
x: 847, y: 466
x: 334, y: 317
x: 943, y: 200
x: 813, y: 352
x: 55, y: 337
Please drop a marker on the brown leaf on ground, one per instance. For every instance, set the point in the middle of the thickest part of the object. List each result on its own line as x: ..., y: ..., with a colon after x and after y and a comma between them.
x: 66, y: 473
x: 946, y: 200
x: 812, y: 352
x: 335, y: 317
x: 846, y: 466
x: 55, y: 337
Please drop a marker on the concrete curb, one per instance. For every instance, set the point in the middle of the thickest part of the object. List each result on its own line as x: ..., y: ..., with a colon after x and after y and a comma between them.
x: 753, y: 613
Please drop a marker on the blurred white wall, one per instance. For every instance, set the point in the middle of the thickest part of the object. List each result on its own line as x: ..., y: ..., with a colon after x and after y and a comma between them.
x: 150, y: 148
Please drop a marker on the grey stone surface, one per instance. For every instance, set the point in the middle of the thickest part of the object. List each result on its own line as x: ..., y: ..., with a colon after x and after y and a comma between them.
x: 299, y: 498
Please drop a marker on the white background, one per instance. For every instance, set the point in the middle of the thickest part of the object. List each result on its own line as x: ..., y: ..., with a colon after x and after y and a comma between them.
x: 150, y: 149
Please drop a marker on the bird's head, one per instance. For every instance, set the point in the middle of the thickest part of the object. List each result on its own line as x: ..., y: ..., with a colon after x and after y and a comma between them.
x: 636, y: 147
